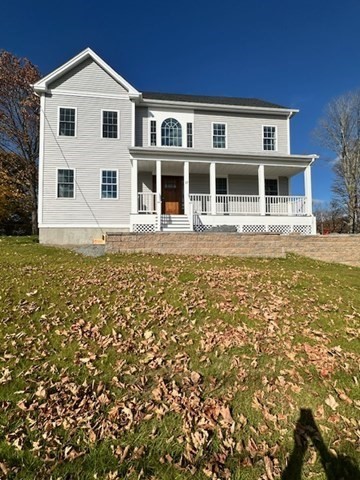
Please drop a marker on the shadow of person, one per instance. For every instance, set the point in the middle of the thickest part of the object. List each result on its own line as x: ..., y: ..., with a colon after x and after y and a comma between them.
x: 339, y: 467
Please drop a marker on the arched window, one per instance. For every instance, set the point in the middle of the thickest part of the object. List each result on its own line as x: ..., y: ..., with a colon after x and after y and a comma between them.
x: 171, y: 135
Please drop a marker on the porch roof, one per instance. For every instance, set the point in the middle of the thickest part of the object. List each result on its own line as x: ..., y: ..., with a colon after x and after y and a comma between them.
x: 224, y: 157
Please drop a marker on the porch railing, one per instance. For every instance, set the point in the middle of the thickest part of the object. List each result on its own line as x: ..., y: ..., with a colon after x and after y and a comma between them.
x: 233, y: 204
x: 147, y: 202
x: 285, y: 205
x: 238, y: 204
x: 201, y: 202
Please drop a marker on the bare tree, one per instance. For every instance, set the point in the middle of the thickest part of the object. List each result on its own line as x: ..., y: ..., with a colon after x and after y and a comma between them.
x: 19, y: 124
x: 339, y: 131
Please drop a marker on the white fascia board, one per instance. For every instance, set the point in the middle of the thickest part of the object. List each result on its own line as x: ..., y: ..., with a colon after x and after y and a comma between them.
x: 42, y: 85
x: 220, y: 107
x: 163, y: 153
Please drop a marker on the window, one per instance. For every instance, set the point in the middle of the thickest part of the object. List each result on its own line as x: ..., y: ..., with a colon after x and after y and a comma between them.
x: 67, y: 122
x: 110, y: 125
x: 189, y: 134
x: 153, y: 133
x: 269, y: 138
x: 271, y: 186
x: 65, y: 183
x: 221, y: 186
x: 171, y: 135
x: 219, y: 135
x: 109, y: 188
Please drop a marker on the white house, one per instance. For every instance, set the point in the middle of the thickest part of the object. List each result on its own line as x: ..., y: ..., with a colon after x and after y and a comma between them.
x: 113, y: 159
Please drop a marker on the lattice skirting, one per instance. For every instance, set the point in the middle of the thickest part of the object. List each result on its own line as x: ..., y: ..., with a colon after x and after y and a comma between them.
x: 280, y: 229
x: 143, y: 228
x: 202, y: 228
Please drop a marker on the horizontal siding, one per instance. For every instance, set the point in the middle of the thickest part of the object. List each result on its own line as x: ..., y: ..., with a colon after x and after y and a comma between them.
x: 244, y: 131
x: 243, y: 185
x: 145, y: 182
x: 87, y: 154
x: 88, y: 76
x: 283, y: 186
x: 141, y: 126
x: 199, y: 183
x: 237, y: 184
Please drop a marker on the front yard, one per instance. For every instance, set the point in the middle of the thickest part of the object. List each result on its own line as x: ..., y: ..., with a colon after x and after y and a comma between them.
x: 162, y: 367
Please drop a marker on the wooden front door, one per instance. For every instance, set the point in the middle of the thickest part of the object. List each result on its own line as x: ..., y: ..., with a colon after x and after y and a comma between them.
x: 172, y: 194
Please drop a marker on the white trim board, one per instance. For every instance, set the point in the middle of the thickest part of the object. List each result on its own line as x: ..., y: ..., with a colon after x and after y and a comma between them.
x: 42, y: 85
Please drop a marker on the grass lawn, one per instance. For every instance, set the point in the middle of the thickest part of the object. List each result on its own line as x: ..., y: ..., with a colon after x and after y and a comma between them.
x: 164, y: 367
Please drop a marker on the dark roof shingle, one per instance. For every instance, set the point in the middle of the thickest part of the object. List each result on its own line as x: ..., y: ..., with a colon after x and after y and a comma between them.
x: 179, y: 97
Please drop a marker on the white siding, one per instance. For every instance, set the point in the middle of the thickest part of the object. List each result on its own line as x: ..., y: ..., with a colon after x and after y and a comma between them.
x: 244, y: 131
x: 87, y: 154
x: 88, y: 76
x: 145, y: 182
x: 237, y: 184
x: 141, y: 127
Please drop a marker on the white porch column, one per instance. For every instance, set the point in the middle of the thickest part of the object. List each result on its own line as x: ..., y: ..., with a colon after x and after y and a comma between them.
x: 134, y: 186
x: 186, y: 188
x: 307, y: 190
x: 213, y: 187
x: 261, y: 180
x: 158, y: 194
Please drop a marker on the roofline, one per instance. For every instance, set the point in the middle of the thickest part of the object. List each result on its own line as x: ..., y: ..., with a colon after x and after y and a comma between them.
x: 218, y: 106
x: 205, y: 155
x: 42, y: 85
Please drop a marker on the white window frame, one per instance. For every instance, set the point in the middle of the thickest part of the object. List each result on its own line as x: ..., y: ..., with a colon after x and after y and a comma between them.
x: 101, y: 124
x: 117, y: 183
x: 272, y: 178
x: 212, y: 135
x: 58, y: 122
x: 276, y: 138
x: 192, y: 135
x: 57, y: 183
x: 227, y: 184
x: 156, y: 132
x: 183, y: 144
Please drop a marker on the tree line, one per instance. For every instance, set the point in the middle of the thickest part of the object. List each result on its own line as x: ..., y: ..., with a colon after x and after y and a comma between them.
x: 338, y: 131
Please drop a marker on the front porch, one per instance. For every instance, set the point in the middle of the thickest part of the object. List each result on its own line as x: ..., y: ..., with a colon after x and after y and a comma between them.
x: 198, y: 196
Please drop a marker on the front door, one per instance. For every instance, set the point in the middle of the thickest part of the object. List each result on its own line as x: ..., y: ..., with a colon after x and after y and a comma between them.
x: 172, y: 194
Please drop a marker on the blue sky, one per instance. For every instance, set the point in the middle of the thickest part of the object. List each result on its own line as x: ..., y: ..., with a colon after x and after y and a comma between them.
x: 299, y: 54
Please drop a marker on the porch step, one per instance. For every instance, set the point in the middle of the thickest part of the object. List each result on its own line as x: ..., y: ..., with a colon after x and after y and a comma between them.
x: 175, y: 223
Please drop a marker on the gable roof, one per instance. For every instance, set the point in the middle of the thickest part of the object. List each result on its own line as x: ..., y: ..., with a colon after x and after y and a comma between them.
x: 238, y: 101
x: 43, y: 84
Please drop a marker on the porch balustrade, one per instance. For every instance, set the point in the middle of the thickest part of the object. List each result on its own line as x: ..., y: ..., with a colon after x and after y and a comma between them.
x: 147, y: 202
x: 233, y: 204
x: 238, y: 204
x: 285, y: 205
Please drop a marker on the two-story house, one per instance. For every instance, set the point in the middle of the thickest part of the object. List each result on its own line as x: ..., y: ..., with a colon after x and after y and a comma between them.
x: 116, y: 159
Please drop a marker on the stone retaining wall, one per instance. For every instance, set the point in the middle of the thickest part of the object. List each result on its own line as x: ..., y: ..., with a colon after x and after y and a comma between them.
x: 331, y: 248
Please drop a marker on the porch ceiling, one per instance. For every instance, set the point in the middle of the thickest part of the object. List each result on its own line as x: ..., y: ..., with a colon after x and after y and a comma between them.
x: 177, y: 168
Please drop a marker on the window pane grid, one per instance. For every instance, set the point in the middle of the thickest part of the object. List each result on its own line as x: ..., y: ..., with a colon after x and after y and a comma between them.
x: 269, y: 138
x: 65, y: 184
x: 171, y: 134
x: 219, y: 135
x: 110, y: 124
x: 189, y: 132
x: 109, y: 184
x: 221, y: 186
x: 67, y: 122
x: 153, y: 133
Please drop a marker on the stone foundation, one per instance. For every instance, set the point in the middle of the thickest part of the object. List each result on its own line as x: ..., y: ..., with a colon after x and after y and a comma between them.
x: 331, y: 248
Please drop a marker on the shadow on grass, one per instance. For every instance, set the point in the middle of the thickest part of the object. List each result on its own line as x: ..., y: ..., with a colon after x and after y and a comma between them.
x: 336, y: 467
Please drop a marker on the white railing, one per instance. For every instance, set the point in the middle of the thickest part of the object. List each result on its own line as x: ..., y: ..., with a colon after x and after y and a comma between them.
x: 147, y: 202
x: 285, y: 205
x: 191, y: 215
x: 238, y: 204
x: 201, y: 202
